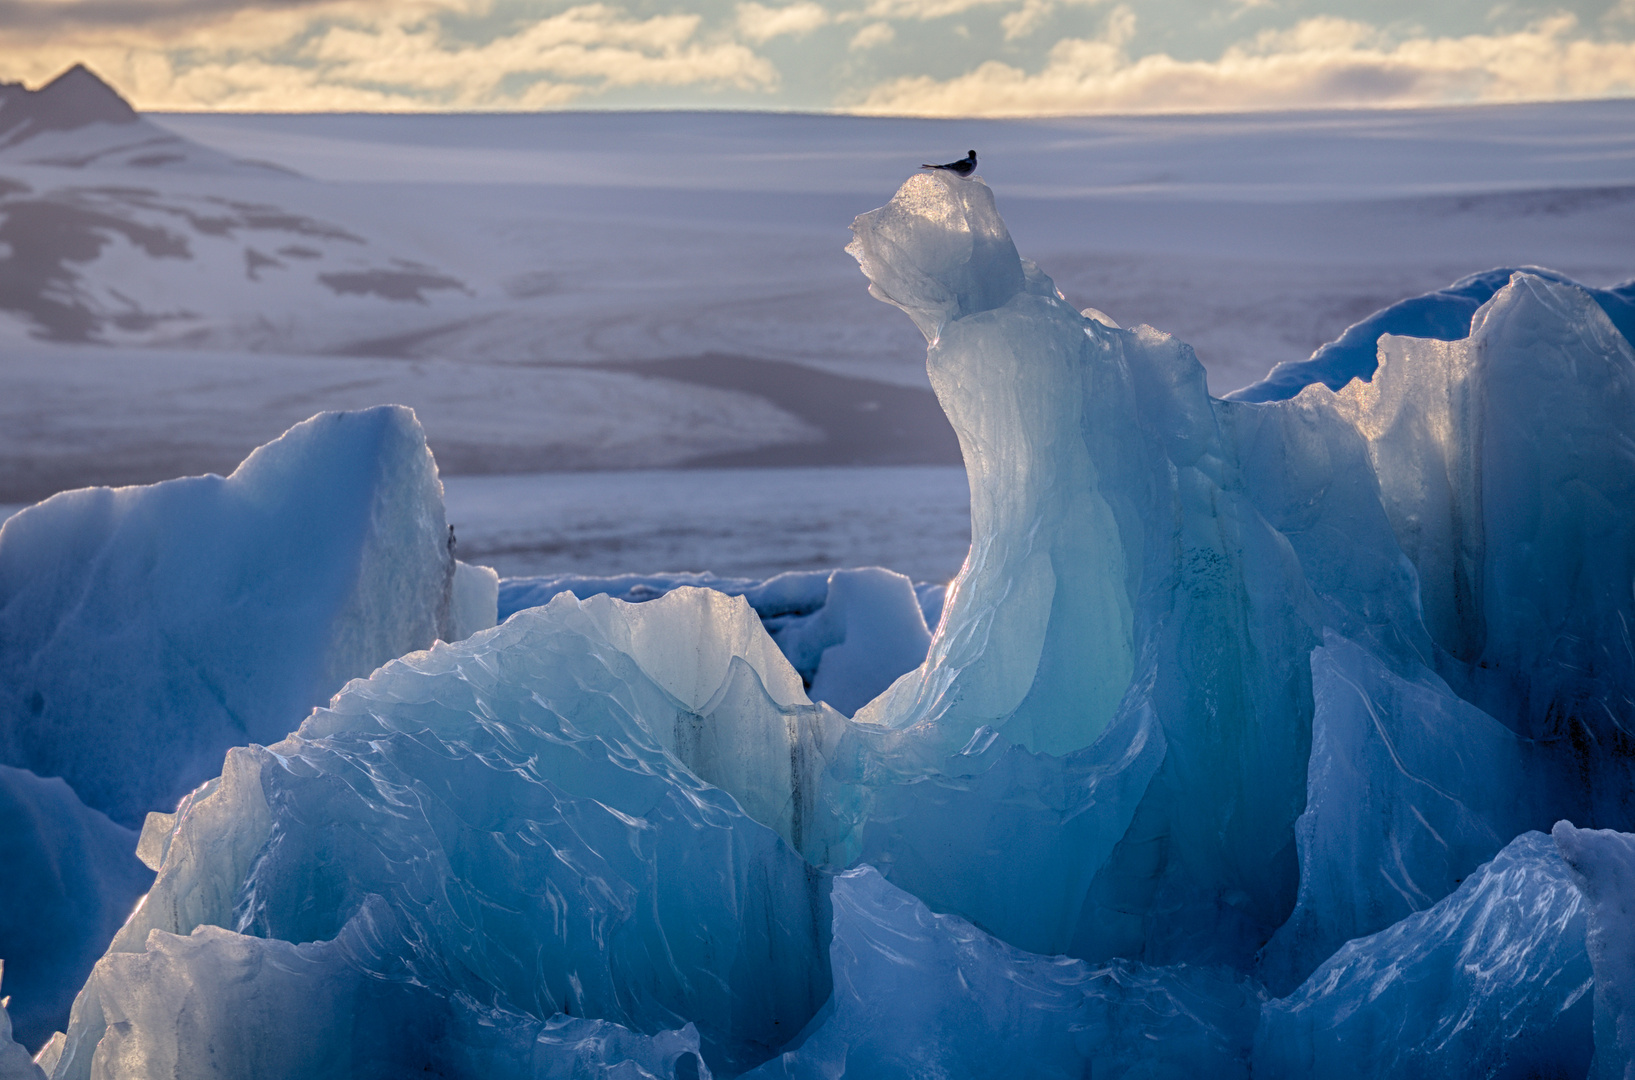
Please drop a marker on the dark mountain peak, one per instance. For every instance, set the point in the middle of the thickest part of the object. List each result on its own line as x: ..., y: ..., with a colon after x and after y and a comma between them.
x: 74, y: 99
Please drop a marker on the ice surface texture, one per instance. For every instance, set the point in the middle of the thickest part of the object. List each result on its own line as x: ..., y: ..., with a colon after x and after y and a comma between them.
x: 1493, y: 981
x: 68, y: 879
x: 849, y: 633
x: 488, y: 835
x: 15, y: 1064
x: 145, y: 630
x: 1138, y: 547
x: 921, y: 994
x: 1232, y: 750
x: 1118, y: 569
x: 1443, y: 315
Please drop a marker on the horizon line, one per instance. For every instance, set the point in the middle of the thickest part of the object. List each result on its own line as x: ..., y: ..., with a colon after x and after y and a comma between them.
x: 843, y: 113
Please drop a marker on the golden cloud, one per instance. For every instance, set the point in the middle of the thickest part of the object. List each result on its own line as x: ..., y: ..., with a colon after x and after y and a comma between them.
x: 358, y: 56
x: 761, y: 24
x: 1322, y: 62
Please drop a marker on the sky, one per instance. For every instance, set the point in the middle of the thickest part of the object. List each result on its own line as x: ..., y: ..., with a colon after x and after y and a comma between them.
x: 916, y: 57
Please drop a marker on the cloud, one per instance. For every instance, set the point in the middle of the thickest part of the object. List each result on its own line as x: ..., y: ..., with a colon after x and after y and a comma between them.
x: 57, y: 14
x: 873, y: 35
x: 1032, y: 16
x: 529, y: 54
x: 761, y: 24
x: 590, y: 45
x: 1320, y: 62
x: 360, y: 57
x: 923, y: 10
x: 1026, y: 19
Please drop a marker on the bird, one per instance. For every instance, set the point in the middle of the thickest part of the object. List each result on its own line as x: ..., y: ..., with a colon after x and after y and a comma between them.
x: 965, y: 166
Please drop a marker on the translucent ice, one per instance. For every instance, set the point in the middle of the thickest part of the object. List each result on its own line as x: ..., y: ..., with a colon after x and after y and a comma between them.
x: 507, y: 825
x: 849, y: 633
x: 145, y: 630
x: 1409, y: 790
x: 1118, y: 567
x: 15, y: 1064
x: 215, y: 1005
x: 1603, y: 866
x: 1467, y: 518
x: 920, y: 994
x: 1443, y: 315
x: 1224, y: 690
x: 68, y: 879
x: 1505, y: 466
x: 1492, y: 981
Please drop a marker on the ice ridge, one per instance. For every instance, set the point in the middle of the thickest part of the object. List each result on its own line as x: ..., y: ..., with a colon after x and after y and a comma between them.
x: 1441, y: 315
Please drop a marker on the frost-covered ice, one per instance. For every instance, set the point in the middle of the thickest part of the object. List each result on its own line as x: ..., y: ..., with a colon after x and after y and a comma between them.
x: 1230, y: 753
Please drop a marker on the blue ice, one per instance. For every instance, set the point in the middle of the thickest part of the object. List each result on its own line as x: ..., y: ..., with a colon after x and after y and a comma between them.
x: 1230, y: 753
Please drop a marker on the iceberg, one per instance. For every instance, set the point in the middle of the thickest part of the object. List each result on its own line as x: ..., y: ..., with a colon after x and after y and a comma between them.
x: 1229, y: 753
x: 1464, y: 518
x: 1409, y: 790
x: 1602, y: 864
x: 15, y: 1064
x: 220, y: 1005
x: 1118, y: 567
x: 1442, y: 315
x: 1492, y: 981
x: 1504, y: 466
x: 850, y: 633
x: 69, y: 878
x: 145, y: 630
x: 504, y: 828
x: 921, y: 994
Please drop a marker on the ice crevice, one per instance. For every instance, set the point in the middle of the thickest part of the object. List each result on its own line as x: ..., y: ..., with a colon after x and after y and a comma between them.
x: 1276, y: 739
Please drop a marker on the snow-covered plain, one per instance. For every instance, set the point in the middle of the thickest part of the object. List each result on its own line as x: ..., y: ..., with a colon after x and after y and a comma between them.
x: 431, y: 259
x: 731, y: 522
x: 639, y: 291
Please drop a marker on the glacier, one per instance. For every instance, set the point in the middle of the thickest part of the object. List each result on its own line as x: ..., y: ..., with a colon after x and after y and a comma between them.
x: 1280, y: 737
